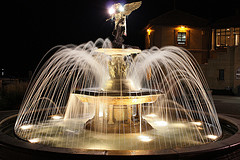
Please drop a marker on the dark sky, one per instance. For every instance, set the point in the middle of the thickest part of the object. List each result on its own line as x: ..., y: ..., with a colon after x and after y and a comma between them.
x: 32, y: 27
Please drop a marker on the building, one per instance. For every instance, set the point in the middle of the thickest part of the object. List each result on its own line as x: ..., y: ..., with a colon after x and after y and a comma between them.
x: 215, y: 46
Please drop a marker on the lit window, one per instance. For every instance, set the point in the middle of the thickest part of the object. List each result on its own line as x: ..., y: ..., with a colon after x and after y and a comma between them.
x: 222, y: 37
x: 181, y: 38
x: 236, y: 33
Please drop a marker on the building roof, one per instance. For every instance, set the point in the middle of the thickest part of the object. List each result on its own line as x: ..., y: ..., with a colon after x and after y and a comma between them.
x: 233, y: 21
x: 177, y: 17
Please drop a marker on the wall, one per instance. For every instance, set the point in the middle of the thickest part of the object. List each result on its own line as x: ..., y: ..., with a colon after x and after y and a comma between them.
x: 197, y: 40
x: 236, y: 82
x: 167, y: 37
x: 229, y: 61
x: 162, y: 36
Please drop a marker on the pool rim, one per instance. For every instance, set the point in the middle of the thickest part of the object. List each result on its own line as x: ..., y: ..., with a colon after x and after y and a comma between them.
x: 221, y: 145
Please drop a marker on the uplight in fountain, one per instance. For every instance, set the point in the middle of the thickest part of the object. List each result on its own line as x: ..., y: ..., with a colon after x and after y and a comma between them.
x: 34, y: 140
x: 25, y: 127
x: 145, y: 138
x: 197, y: 123
x: 212, y: 137
x: 56, y: 117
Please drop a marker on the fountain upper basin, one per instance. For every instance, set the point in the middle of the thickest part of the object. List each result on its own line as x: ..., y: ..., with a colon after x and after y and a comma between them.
x: 118, y: 98
x: 117, y: 51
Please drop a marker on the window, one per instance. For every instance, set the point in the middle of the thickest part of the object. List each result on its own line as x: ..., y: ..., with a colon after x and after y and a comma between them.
x: 227, y: 36
x: 236, y: 34
x: 221, y: 74
x: 181, y: 38
x: 222, y: 37
x: 238, y: 73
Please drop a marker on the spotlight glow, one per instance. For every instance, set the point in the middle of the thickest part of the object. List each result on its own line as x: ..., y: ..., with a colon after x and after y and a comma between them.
x: 151, y: 115
x: 161, y: 123
x: 100, y: 114
x: 25, y: 127
x: 34, y: 140
x: 121, y: 8
x: 212, y: 137
x: 111, y: 11
x: 197, y: 123
x: 144, y: 138
x: 149, y: 30
x: 56, y: 117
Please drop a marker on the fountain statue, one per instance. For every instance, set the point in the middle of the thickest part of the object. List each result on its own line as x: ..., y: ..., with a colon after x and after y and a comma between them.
x: 118, y: 14
x: 104, y: 98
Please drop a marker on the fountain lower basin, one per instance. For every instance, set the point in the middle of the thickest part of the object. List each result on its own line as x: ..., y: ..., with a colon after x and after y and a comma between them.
x: 11, y: 146
x: 154, y: 133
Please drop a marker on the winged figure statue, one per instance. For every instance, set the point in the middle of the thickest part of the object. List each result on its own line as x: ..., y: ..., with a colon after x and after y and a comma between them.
x: 118, y: 15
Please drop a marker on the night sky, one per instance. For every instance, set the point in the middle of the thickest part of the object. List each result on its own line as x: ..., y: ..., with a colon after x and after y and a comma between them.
x: 32, y: 27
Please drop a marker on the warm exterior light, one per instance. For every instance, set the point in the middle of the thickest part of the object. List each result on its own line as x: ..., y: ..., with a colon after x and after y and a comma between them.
x: 182, y: 28
x: 149, y: 30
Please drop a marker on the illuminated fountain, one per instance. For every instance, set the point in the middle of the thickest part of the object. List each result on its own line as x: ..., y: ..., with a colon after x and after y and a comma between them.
x: 101, y: 98
x: 91, y: 97
x: 96, y: 97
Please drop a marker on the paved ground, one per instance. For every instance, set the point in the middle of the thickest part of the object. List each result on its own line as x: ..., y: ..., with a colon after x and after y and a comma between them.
x: 228, y: 105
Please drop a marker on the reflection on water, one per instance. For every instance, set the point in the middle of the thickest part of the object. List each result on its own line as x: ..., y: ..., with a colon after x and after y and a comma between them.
x: 70, y: 134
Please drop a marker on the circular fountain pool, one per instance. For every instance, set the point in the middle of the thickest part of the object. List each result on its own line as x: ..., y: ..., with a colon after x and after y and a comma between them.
x: 12, y: 146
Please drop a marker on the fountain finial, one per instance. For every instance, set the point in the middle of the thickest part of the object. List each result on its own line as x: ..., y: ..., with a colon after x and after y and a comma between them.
x: 118, y: 15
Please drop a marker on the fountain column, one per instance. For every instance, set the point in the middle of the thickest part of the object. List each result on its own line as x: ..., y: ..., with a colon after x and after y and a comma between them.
x: 213, y: 40
x: 119, y: 96
x: 110, y: 114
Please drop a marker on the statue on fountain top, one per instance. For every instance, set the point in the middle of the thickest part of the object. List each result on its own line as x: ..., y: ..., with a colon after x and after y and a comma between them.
x: 118, y: 15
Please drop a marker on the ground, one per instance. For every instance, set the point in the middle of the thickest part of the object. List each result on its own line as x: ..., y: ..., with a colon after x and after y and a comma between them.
x: 228, y: 105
